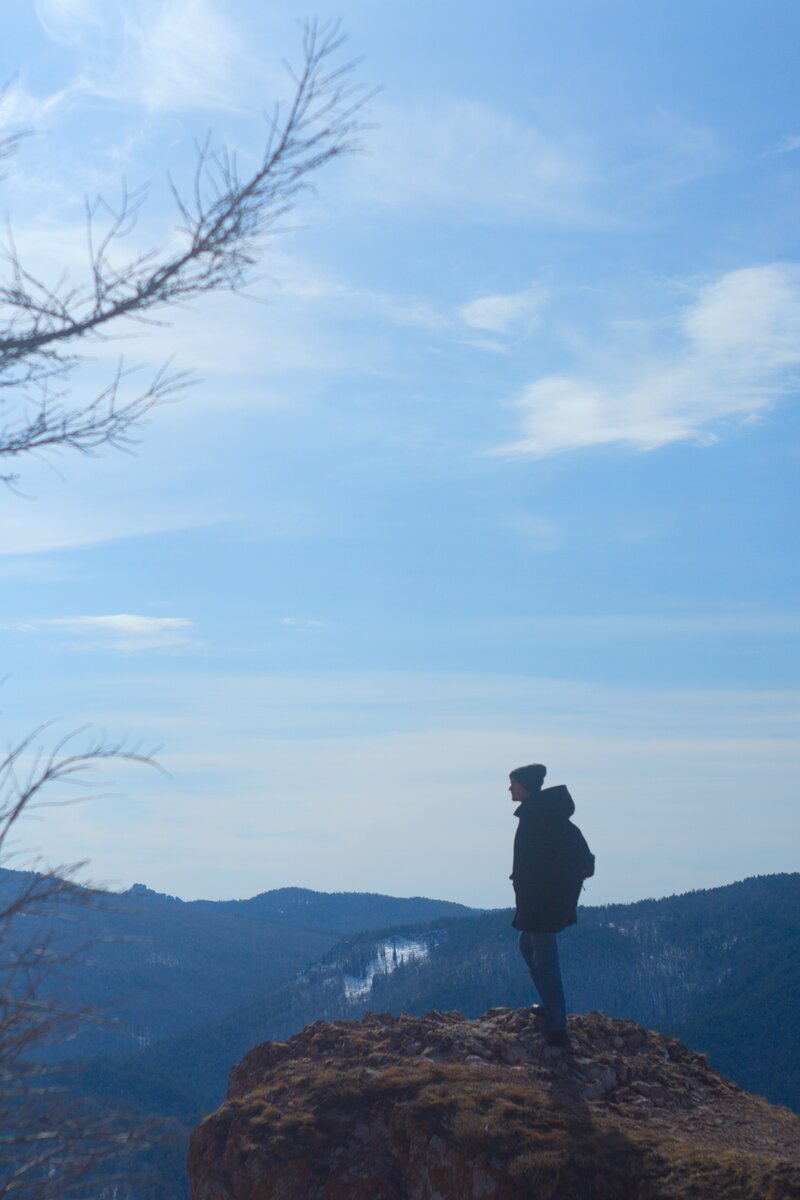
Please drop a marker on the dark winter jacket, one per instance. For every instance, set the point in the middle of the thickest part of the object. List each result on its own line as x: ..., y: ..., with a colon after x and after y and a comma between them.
x: 551, y: 861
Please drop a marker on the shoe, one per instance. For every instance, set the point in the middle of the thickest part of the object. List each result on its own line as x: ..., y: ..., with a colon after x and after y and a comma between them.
x: 556, y: 1037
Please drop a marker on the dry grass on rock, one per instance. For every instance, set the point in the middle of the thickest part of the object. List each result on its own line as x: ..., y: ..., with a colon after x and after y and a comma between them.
x: 388, y: 1108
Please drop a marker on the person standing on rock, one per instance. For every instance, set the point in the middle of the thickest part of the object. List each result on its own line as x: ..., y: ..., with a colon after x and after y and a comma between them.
x: 551, y: 861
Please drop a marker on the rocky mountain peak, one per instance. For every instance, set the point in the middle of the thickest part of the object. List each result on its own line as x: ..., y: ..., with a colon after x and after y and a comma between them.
x: 440, y: 1107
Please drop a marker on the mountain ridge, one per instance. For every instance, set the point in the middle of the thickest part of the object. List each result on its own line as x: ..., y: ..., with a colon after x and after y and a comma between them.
x: 157, y: 965
x: 650, y: 961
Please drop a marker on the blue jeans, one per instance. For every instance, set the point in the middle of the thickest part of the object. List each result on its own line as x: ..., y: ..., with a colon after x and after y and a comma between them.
x: 540, y: 952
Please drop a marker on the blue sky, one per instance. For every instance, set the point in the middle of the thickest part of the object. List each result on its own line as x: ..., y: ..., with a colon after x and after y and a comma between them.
x: 499, y: 466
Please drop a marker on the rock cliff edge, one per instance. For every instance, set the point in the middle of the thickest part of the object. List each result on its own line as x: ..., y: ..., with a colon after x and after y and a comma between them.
x: 440, y: 1107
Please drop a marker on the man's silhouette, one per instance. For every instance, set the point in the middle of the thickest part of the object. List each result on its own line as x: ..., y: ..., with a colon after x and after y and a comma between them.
x: 551, y: 861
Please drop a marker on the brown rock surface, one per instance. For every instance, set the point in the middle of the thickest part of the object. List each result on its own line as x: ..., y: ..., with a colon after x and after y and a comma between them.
x: 445, y: 1108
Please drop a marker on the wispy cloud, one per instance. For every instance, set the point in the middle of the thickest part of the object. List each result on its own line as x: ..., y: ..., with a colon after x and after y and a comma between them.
x: 167, y: 55
x: 303, y: 624
x: 65, y: 521
x: 732, y: 353
x: 466, y: 156
x: 787, y: 145
x: 497, y: 312
x: 475, y: 161
x: 504, y: 312
x: 127, y: 632
x: 21, y: 109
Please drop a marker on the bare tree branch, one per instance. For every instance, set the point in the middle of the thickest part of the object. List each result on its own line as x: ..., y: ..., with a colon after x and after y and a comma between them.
x: 50, y: 1143
x: 105, y: 421
x: 221, y: 220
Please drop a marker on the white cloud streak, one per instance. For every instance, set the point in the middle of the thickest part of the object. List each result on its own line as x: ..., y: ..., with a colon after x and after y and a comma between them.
x: 788, y: 144
x: 735, y: 353
x: 303, y: 624
x: 66, y: 522
x: 126, y: 632
x: 475, y: 162
x: 166, y: 55
x: 462, y: 155
x: 127, y: 623
x: 504, y: 312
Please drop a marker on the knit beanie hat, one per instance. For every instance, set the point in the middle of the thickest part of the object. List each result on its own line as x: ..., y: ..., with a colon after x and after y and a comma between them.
x: 530, y: 777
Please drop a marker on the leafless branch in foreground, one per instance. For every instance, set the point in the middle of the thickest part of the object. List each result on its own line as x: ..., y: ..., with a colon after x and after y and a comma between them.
x: 50, y: 1142
x: 43, y: 326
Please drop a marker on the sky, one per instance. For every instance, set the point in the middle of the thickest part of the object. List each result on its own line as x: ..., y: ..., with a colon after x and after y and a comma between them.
x: 495, y: 462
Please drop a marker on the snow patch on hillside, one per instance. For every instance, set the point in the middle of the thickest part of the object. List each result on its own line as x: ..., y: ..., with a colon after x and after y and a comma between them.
x: 388, y: 956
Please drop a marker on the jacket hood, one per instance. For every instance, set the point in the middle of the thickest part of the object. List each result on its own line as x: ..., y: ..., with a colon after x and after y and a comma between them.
x: 550, y: 804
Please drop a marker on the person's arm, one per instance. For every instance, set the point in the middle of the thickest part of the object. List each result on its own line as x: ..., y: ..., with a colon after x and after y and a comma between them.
x: 527, y: 857
x: 586, y: 856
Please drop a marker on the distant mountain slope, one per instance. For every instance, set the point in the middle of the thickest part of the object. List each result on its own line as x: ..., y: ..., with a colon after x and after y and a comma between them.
x: 338, y: 913
x: 156, y: 966
x: 665, y: 963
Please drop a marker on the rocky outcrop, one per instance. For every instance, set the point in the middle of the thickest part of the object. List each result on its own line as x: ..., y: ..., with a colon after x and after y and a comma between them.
x: 440, y: 1107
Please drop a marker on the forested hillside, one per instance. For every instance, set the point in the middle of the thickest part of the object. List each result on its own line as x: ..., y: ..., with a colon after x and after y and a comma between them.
x: 705, y: 965
x: 152, y: 966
